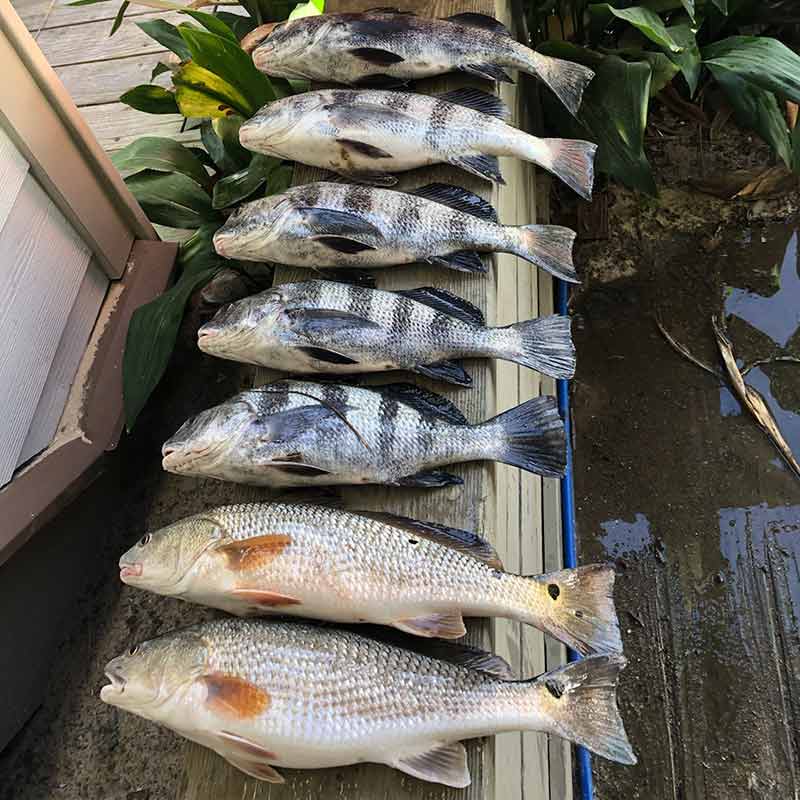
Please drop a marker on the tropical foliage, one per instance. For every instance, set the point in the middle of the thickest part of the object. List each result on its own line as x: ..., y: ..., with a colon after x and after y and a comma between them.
x: 638, y: 49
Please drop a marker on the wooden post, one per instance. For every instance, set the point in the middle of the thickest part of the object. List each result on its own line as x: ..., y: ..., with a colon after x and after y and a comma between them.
x: 502, y: 503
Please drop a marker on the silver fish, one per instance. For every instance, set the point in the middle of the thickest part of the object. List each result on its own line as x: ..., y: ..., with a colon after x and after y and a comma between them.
x: 293, y: 433
x: 266, y: 694
x: 321, y: 225
x: 336, y: 328
x: 375, y: 567
x: 367, y: 134
x: 381, y: 48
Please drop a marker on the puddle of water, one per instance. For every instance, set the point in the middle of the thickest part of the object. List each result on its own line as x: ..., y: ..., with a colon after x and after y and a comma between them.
x: 624, y: 538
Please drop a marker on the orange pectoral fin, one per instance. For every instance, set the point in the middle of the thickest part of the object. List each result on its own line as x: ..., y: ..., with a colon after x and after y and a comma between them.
x: 259, y: 598
x: 250, y: 554
x: 234, y: 697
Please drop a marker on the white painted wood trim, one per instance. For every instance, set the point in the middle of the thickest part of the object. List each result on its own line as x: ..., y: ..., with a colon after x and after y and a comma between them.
x: 13, y: 169
x: 68, y: 357
x: 44, y: 261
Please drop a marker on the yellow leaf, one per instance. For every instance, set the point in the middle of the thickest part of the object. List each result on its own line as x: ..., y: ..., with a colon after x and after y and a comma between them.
x: 191, y: 76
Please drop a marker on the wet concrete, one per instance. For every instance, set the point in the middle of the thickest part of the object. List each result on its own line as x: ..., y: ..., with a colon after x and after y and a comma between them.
x: 677, y: 485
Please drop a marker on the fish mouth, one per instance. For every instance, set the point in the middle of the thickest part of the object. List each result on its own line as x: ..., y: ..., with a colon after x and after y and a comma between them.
x: 206, y: 333
x: 177, y: 459
x: 257, y: 37
x: 115, y: 689
x: 130, y: 571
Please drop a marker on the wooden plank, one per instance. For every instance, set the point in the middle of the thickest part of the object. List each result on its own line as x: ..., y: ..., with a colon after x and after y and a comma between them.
x: 13, y: 169
x: 44, y: 263
x: 40, y: 14
x: 104, y: 81
x: 77, y: 44
x: 116, y: 125
x: 65, y: 362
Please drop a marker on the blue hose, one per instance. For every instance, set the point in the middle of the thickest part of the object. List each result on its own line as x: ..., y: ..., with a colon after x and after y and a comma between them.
x: 568, y: 527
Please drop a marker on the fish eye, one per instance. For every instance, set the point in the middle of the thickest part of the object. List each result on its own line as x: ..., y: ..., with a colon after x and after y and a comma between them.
x: 145, y: 539
x: 134, y: 650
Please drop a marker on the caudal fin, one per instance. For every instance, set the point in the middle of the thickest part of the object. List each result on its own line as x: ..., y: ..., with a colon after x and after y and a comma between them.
x: 544, y: 344
x: 576, y: 606
x: 579, y: 703
x: 566, y: 78
x: 571, y: 160
x: 549, y: 247
x: 531, y: 437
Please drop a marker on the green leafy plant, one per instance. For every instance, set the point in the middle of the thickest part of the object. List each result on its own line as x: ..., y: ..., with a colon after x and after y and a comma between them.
x: 216, y: 87
x: 639, y: 48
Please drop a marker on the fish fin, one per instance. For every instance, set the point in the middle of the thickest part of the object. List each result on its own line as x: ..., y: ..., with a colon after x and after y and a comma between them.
x: 489, y: 71
x: 282, y: 426
x: 463, y: 541
x: 354, y: 277
x: 233, y: 696
x: 579, y: 702
x: 427, y: 403
x: 580, y: 609
x: 330, y: 222
x: 376, y: 55
x: 364, y: 149
x: 341, y: 244
x: 572, y: 161
x: 388, y: 10
x: 374, y: 178
x: 326, y: 355
x: 545, y: 345
x: 532, y: 437
x: 549, y: 247
x: 257, y: 598
x: 567, y: 79
x: 475, y: 20
x: 465, y: 656
x: 457, y: 198
x: 463, y: 261
x: 432, y: 479
x: 247, y: 756
x: 304, y: 470
x: 314, y: 321
x: 442, y: 625
x: 445, y: 763
x: 380, y: 82
x: 485, y: 102
x: 447, y: 371
x: 484, y: 166
x: 446, y: 302
x: 257, y: 551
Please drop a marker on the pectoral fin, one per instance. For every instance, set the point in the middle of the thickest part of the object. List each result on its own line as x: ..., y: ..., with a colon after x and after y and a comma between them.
x: 233, y: 696
x: 432, y: 479
x: 258, y: 598
x: 328, y: 356
x: 341, y: 244
x: 257, y: 551
x: 443, y: 626
x: 364, y: 149
x: 463, y: 261
x: 315, y: 321
x: 445, y: 763
x: 376, y: 55
x: 331, y: 222
x: 247, y: 756
x: 447, y: 371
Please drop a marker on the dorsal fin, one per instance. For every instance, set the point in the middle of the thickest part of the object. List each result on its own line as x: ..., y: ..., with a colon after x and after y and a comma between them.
x: 446, y: 302
x: 484, y: 21
x: 427, y: 403
x: 477, y: 100
x: 457, y: 198
x: 463, y: 541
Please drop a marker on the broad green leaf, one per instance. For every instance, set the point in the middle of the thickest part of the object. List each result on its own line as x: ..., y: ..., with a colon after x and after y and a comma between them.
x: 212, y: 23
x: 613, y: 113
x: 235, y: 188
x: 202, y: 156
x: 663, y: 70
x: 757, y: 110
x: 240, y: 25
x: 161, y: 155
x: 151, y: 99
x: 758, y: 60
x: 227, y: 60
x: 150, y: 341
x: 689, y: 58
x: 308, y: 9
x: 210, y: 95
x: 159, y: 69
x: 167, y: 35
x: 645, y: 20
x: 216, y: 150
x: 722, y: 5
x: 118, y: 19
x: 320, y: 4
x: 197, y: 252
x: 221, y: 139
x: 171, y: 199
x: 280, y: 179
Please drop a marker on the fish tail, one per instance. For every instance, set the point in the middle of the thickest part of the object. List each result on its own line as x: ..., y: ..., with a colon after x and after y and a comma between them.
x: 567, y: 79
x: 579, y: 703
x: 544, y: 344
x: 570, y: 160
x: 576, y: 606
x: 549, y: 247
x: 531, y: 437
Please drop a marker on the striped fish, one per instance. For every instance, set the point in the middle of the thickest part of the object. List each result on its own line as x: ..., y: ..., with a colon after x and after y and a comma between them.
x: 336, y: 328
x: 366, y: 135
x: 293, y: 433
x: 266, y: 694
x: 323, y: 225
x: 367, y: 566
x: 382, y: 48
